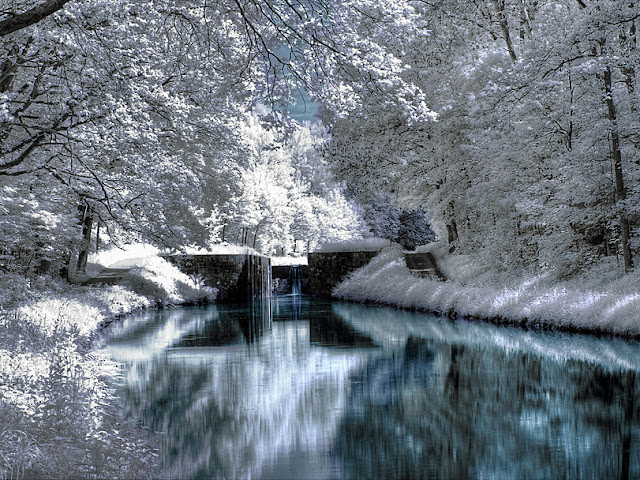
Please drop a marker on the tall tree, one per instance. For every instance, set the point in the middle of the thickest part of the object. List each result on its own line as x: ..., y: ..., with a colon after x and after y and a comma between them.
x: 516, y: 170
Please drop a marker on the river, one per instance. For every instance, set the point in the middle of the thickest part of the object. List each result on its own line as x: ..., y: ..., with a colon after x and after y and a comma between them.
x: 298, y: 387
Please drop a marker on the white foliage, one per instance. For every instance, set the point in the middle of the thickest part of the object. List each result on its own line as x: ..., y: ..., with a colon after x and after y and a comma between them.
x: 537, y: 301
x: 286, y: 193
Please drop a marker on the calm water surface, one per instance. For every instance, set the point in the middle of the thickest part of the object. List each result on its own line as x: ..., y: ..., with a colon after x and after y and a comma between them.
x: 306, y: 388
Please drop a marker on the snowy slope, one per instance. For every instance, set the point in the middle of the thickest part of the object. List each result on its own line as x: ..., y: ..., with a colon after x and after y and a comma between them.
x: 611, y: 308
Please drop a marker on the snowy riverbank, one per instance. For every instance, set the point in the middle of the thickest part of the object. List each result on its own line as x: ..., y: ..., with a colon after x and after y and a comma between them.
x: 57, y: 403
x: 594, y: 302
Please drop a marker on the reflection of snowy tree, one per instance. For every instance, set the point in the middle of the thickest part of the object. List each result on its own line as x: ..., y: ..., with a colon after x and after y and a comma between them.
x: 454, y: 411
x: 229, y: 413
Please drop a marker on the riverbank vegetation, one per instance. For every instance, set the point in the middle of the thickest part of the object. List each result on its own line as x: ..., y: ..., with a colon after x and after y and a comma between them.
x: 59, y: 412
x: 532, y: 165
x: 606, y: 303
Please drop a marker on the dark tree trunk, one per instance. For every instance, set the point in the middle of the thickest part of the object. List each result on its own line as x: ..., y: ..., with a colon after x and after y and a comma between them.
x: 255, y: 236
x: 621, y: 192
x: 504, y: 26
x: 87, y: 222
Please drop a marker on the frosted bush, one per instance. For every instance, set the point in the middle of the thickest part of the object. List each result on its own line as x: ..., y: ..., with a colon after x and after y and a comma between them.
x: 115, y: 300
x: 13, y: 288
x: 50, y: 314
x: 156, y: 278
x: 59, y: 418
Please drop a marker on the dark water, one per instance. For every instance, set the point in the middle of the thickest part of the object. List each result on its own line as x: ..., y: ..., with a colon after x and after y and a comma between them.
x: 301, y: 388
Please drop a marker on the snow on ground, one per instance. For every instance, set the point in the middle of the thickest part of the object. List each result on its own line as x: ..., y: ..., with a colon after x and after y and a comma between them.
x: 288, y: 260
x: 585, y: 303
x: 371, y: 244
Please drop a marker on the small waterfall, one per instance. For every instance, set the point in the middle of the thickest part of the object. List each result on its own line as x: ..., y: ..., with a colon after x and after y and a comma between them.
x: 296, y: 280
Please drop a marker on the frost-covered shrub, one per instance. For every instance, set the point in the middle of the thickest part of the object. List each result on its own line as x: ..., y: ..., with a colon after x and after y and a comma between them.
x: 537, y: 300
x: 157, y: 279
x: 195, y: 292
x: 153, y: 277
x: 136, y: 281
x: 13, y: 287
x: 59, y: 419
x: 21, y: 455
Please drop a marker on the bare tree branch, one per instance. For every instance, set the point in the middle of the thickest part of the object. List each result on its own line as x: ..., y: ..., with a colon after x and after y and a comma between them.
x: 30, y: 17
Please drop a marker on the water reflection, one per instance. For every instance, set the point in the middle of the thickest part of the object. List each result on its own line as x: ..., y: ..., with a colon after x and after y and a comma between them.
x: 311, y: 389
x: 488, y: 414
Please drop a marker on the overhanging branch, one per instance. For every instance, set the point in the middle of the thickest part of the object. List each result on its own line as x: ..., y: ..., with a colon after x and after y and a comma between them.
x: 30, y: 17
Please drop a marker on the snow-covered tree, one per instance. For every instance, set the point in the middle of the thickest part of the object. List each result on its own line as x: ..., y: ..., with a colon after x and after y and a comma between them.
x: 288, y: 200
x: 133, y: 108
x: 527, y: 163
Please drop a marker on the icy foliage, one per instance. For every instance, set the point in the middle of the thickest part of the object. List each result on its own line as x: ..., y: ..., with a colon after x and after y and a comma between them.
x: 156, y: 278
x: 153, y: 277
x: 585, y: 303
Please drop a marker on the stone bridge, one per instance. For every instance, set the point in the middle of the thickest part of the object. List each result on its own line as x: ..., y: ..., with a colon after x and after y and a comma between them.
x: 243, y: 277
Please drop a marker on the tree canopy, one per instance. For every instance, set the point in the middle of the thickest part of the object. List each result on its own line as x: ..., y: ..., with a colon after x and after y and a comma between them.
x: 138, y: 110
x: 507, y: 125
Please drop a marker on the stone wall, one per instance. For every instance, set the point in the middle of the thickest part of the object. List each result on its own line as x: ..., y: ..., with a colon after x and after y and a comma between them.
x: 326, y: 270
x: 238, y: 278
